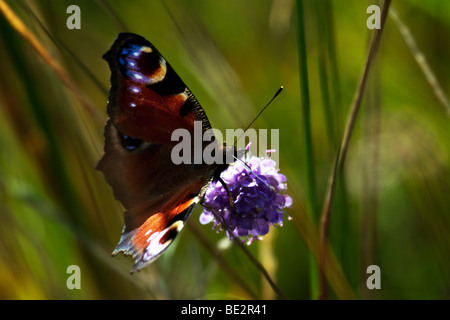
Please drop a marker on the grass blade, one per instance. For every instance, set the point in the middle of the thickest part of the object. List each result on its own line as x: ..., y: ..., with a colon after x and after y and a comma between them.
x: 340, y: 156
x: 307, y: 136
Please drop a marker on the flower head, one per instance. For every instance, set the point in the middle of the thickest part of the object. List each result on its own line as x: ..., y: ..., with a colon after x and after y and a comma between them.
x: 258, y: 195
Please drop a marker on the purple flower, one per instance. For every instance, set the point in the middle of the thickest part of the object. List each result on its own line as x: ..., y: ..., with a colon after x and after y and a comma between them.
x: 258, y: 197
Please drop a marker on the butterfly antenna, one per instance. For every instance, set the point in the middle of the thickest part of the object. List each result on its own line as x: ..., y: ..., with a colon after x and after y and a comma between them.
x: 250, y: 169
x: 262, y: 110
x: 251, y: 123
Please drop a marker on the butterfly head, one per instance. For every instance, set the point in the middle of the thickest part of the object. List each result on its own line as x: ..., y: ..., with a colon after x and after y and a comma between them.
x: 230, y: 155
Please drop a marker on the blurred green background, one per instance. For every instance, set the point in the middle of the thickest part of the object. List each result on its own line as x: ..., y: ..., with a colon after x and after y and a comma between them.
x: 392, y: 204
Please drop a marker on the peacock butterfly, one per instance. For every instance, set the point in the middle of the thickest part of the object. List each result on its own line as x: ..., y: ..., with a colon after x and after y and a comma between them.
x: 147, y: 102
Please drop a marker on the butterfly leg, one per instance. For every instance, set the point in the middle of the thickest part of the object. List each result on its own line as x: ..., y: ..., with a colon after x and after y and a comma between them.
x: 230, y: 197
x: 202, y: 201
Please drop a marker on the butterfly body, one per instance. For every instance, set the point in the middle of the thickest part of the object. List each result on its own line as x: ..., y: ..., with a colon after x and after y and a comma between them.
x: 148, y: 101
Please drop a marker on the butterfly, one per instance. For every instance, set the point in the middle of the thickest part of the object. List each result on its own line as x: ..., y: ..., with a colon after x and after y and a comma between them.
x: 147, y: 102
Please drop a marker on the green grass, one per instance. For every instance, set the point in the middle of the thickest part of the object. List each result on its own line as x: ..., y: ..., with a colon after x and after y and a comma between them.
x: 390, y: 207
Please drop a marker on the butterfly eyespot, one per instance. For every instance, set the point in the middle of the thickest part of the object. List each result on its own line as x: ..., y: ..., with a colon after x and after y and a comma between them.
x: 129, y: 142
x: 158, y: 241
x: 141, y: 64
x: 171, y: 232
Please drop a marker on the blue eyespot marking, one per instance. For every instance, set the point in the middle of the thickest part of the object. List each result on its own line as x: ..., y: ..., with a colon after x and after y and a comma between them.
x: 139, y: 67
x: 129, y: 142
x: 128, y: 58
x: 135, y: 89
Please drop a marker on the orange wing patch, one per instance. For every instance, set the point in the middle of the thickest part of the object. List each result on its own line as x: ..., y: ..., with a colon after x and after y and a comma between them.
x: 154, y: 236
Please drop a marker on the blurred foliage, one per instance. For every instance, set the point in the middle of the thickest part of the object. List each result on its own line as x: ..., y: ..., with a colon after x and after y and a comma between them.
x: 392, y: 208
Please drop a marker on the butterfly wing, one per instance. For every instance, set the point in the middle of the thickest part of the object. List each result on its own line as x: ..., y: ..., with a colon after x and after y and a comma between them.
x: 147, y: 102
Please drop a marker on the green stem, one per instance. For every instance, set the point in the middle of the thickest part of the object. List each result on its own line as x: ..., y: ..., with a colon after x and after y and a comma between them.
x: 308, y: 151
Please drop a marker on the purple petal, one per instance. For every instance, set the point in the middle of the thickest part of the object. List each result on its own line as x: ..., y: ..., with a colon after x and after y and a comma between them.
x: 206, y: 218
